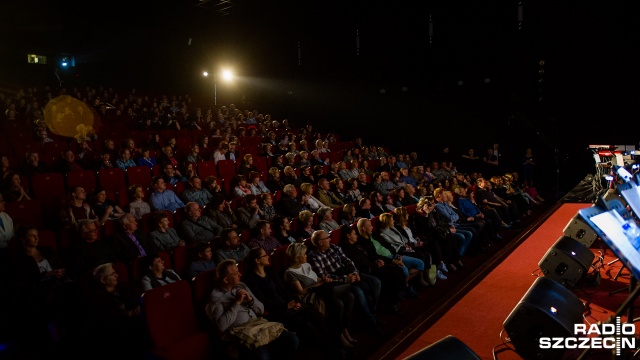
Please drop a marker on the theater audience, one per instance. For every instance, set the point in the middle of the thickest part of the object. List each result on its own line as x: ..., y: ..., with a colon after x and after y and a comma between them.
x: 326, y: 196
x: 282, y: 230
x: 249, y: 213
x: 330, y: 261
x: 195, y: 192
x: 429, y: 224
x: 37, y: 269
x: 33, y: 165
x: 268, y: 211
x: 164, y: 237
x: 240, y: 187
x: 306, y: 228
x: 279, y: 304
x: 104, y: 208
x: 262, y: 237
x: 89, y: 250
x: 163, y: 198
x: 77, y: 208
x: 125, y: 161
x: 326, y: 220
x: 320, y: 291
x: 13, y: 189
x: 146, y: 159
x: 6, y: 226
x: 426, y: 235
x: 221, y: 214
x: 289, y: 205
x: 232, y: 304
x: 231, y: 247
x: 156, y: 274
x: 138, y: 207
x: 113, y: 312
x: 129, y: 242
x: 196, y: 228
x: 203, y: 260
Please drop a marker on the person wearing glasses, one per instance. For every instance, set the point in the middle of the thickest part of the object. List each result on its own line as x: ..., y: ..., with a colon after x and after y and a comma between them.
x: 320, y: 293
x: 329, y: 261
x: 130, y: 243
x: 232, y: 304
x: 280, y: 305
x: 113, y: 314
x: 196, y: 227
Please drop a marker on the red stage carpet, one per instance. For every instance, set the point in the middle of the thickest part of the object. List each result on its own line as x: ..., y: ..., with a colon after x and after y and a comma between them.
x: 477, y: 318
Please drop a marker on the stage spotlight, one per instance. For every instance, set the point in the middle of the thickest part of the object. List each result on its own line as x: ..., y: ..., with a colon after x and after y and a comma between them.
x: 227, y: 75
x: 567, y: 261
x: 547, y: 310
x: 205, y: 73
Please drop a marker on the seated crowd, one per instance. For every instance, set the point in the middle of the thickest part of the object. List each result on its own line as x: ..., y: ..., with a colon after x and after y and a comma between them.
x: 325, y: 233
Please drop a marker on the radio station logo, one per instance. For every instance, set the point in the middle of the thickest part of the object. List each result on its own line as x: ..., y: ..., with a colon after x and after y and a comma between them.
x: 616, y: 336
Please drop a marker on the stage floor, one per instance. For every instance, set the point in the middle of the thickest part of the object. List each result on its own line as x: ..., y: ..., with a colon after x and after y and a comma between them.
x: 478, y: 317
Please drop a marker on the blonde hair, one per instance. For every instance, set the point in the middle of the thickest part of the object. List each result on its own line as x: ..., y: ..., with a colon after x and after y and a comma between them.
x: 294, y: 251
x: 306, y: 186
x: 386, y: 219
x: 305, y: 215
x: 423, y: 201
x: 273, y: 171
x: 401, y: 215
x: 437, y: 192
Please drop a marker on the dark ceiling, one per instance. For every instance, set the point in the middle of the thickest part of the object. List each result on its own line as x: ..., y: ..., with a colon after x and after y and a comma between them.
x: 589, y: 49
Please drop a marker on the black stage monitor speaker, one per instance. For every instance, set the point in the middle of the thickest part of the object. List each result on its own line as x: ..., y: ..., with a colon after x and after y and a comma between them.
x: 447, y: 348
x: 579, y: 230
x: 548, y: 309
x: 567, y: 261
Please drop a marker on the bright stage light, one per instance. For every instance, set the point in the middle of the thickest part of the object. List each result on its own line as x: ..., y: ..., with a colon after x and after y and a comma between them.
x: 227, y: 75
x: 205, y: 73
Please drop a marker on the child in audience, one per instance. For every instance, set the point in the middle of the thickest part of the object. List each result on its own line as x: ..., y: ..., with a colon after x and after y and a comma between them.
x: 203, y: 260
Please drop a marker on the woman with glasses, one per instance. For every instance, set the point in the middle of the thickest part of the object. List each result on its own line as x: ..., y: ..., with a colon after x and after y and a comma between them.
x: 280, y: 306
x: 320, y: 292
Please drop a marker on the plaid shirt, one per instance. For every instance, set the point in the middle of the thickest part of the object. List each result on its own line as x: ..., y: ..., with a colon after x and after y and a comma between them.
x: 269, y: 244
x: 333, y: 263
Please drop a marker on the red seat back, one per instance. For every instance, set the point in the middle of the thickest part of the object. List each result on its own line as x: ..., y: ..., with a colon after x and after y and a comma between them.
x: 112, y: 179
x: 203, y: 285
x: 181, y: 259
x: 226, y: 169
x: 280, y: 260
x: 206, y: 169
x: 26, y: 212
x: 47, y: 238
x: 139, y: 175
x: 84, y: 178
x: 171, y: 323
